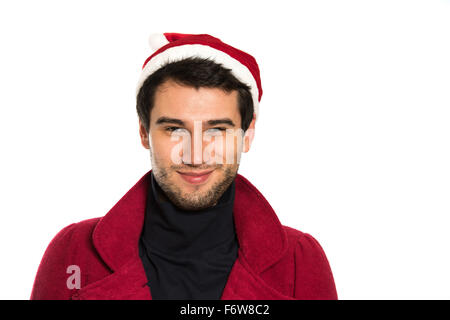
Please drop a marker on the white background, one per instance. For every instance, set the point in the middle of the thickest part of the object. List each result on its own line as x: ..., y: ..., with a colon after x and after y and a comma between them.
x: 352, y: 143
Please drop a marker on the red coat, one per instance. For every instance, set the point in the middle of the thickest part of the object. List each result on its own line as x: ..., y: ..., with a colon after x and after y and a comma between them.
x: 274, y: 261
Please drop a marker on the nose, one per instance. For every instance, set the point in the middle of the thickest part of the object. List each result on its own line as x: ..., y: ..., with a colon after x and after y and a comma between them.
x: 195, y: 149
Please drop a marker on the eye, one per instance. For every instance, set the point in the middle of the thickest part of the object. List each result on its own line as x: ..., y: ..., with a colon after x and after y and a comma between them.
x: 217, y: 129
x: 173, y: 129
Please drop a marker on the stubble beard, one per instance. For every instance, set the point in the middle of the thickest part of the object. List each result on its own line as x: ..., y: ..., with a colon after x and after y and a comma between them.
x: 196, y: 200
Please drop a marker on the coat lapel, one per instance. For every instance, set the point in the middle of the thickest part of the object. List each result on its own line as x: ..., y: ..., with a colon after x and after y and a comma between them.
x: 244, y: 284
x: 262, y: 242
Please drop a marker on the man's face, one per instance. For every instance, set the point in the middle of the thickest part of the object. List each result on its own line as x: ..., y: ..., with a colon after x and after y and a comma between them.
x: 195, y: 140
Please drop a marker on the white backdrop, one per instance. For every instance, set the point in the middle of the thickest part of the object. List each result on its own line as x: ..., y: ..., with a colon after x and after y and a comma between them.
x: 352, y: 144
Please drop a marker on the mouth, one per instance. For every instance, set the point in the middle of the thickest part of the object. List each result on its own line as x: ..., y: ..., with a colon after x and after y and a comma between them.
x: 195, y: 177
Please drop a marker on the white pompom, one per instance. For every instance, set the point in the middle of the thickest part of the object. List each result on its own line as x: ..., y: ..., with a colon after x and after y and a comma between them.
x: 157, y: 40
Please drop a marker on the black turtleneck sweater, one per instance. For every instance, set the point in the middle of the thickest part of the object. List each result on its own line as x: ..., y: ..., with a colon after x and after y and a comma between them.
x: 187, y: 254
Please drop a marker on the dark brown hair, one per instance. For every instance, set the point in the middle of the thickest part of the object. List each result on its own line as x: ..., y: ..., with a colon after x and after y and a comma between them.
x: 194, y: 72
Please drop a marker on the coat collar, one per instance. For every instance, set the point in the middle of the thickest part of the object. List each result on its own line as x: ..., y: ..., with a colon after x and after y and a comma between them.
x: 262, y: 240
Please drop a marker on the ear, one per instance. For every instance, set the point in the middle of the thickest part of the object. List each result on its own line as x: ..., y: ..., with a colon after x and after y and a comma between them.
x: 249, y: 135
x: 144, y: 136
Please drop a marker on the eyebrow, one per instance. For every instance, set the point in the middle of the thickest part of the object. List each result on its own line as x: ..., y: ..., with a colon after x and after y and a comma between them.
x: 221, y: 121
x: 165, y: 120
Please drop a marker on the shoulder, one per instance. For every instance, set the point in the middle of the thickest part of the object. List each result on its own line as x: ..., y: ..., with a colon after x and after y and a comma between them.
x: 313, y: 275
x: 305, y: 248
x: 62, y: 251
x: 81, y: 230
x: 303, y: 241
x: 76, y: 234
x: 72, y: 233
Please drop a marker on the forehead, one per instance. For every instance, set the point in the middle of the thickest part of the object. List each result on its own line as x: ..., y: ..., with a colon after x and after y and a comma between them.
x: 188, y: 103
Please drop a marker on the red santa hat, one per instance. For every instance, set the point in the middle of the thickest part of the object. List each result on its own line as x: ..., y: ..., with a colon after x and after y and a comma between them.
x: 171, y: 47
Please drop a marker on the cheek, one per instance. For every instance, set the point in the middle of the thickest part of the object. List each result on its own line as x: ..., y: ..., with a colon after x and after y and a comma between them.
x: 162, y: 145
x: 234, y: 148
x: 225, y: 149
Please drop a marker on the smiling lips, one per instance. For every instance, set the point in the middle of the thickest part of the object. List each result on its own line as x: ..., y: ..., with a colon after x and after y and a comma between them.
x: 195, y: 177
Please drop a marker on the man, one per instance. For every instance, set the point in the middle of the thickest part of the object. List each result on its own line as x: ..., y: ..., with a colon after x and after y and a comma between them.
x: 192, y: 227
